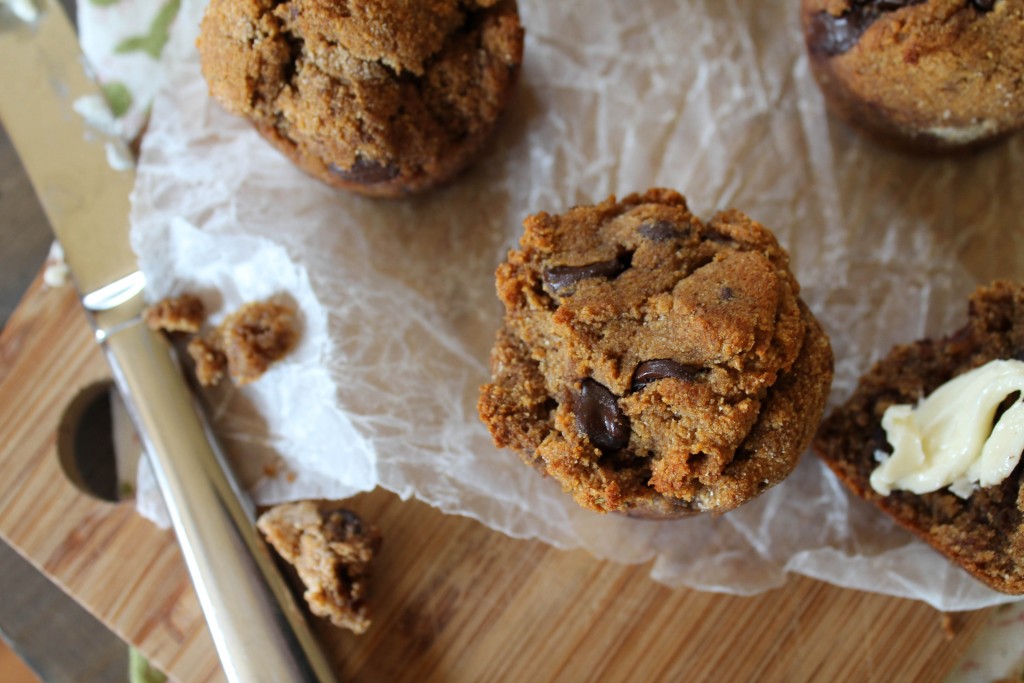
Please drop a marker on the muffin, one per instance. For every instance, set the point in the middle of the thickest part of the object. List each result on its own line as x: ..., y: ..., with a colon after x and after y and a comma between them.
x: 651, y: 363
x: 979, y: 526
x: 380, y: 97
x: 924, y: 75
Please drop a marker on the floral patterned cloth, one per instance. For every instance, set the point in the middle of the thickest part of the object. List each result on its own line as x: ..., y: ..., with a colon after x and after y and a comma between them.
x: 123, y: 41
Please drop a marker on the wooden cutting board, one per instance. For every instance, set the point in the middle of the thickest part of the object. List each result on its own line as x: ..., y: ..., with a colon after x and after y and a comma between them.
x: 453, y: 600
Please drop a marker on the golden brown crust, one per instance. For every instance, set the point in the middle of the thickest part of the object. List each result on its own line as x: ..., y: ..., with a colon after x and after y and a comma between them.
x: 183, y: 313
x: 210, y: 362
x: 931, y: 76
x: 380, y: 97
x: 402, y: 35
x: 985, y: 532
x: 713, y: 305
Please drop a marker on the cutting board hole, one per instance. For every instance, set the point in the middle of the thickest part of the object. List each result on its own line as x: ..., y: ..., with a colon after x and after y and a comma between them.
x: 85, y: 443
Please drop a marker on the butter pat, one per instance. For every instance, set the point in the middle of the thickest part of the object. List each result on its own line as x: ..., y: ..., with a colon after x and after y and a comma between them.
x: 949, y: 440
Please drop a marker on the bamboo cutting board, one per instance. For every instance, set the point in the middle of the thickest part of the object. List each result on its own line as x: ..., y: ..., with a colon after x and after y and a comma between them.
x: 453, y: 601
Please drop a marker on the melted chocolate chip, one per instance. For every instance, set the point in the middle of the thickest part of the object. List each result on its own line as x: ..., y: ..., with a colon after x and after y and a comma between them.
x: 341, y: 524
x: 660, y: 231
x: 742, y: 454
x: 1006, y: 519
x: 663, y: 368
x: 365, y: 172
x: 983, y: 5
x: 599, y: 418
x: 833, y: 35
x: 559, y: 278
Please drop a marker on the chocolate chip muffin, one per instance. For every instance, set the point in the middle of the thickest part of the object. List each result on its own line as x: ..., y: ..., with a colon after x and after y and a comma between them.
x: 651, y: 363
x: 924, y: 75
x: 381, y: 97
x: 984, y: 532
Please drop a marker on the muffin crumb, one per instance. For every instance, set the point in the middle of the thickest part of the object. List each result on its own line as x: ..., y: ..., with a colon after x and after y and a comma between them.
x: 210, y: 361
x: 245, y: 344
x: 331, y: 548
x: 948, y: 626
x: 184, y: 313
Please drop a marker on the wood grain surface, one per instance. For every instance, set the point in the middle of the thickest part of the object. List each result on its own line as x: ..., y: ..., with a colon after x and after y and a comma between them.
x: 453, y: 601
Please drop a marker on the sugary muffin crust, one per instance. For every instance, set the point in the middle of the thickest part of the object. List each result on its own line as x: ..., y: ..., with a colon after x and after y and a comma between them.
x: 381, y: 97
x: 928, y: 75
x: 983, y: 533
x: 651, y: 363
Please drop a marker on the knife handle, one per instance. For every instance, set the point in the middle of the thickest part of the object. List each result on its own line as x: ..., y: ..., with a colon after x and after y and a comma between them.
x: 258, y: 630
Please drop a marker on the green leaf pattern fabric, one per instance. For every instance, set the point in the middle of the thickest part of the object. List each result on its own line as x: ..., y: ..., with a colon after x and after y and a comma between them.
x: 119, y: 97
x: 152, y: 42
x: 123, y: 41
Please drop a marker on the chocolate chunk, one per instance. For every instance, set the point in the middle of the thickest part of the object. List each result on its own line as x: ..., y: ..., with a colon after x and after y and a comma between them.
x: 599, y: 418
x: 341, y: 523
x: 742, y: 454
x: 877, y: 441
x: 983, y: 5
x: 1007, y: 520
x: 719, y: 238
x: 833, y: 35
x: 662, y: 368
x: 559, y: 278
x: 366, y: 172
x: 660, y: 231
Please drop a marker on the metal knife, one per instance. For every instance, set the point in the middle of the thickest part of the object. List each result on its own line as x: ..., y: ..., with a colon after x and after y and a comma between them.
x: 258, y: 630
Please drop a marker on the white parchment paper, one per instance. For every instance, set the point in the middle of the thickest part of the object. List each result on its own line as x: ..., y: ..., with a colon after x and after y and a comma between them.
x: 710, y: 97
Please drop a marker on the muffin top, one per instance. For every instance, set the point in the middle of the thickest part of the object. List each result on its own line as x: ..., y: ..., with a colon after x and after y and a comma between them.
x: 388, y: 95
x: 401, y: 35
x: 640, y: 348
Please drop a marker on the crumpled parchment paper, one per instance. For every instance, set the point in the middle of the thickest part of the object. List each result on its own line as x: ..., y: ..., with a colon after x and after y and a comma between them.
x: 710, y: 97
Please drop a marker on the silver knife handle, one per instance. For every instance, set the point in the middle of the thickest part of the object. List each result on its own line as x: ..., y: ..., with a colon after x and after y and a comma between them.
x: 258, y: 630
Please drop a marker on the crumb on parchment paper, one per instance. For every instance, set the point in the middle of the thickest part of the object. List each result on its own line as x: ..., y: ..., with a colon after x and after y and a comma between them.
x: 184, y: 313
x: 245, y: 344
x: 242, y: 347
x: 210, y: 362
